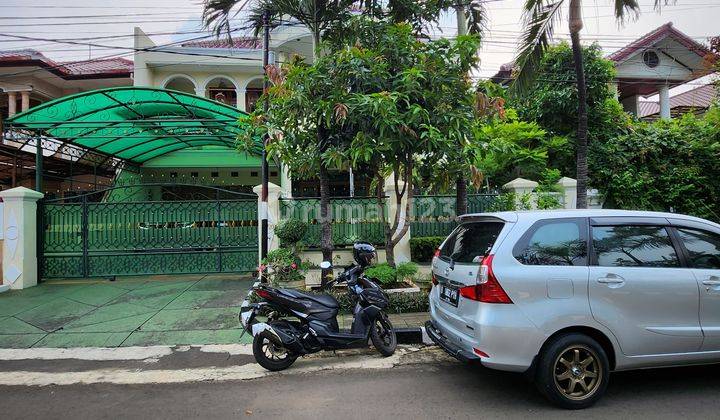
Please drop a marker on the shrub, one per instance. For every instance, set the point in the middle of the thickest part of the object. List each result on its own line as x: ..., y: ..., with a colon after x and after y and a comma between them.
x: 398, y: 302
x: 667, y: 166
x: 383, y: 273
x: 291, y: 231
x: 406, y: 270
x: 422, y: 249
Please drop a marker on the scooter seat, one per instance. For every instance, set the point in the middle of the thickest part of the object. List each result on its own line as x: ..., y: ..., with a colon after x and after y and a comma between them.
x: 324, y: 300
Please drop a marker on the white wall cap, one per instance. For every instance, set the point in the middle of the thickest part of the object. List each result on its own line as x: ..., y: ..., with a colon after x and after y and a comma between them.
x: 567, y: 182
x: 272, y: 189
x: 21, y: 193
x: 520, y: 183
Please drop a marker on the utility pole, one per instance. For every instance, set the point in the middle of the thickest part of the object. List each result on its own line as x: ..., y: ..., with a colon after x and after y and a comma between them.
x: 266, y: 105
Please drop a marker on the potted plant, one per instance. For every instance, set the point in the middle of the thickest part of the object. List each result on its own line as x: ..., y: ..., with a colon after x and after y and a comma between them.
x: 285, y: 268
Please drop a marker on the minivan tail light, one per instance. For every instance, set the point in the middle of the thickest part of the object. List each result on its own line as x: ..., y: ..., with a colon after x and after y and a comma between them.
x: 487, y: 289
x: 437, y: 253
x: 433, y: 279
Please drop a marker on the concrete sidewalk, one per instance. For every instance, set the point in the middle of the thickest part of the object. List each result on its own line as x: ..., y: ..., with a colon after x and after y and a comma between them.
x: 135, y: 311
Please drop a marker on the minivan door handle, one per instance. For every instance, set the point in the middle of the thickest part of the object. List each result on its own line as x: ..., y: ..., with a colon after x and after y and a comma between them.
x: 611, y: 279
x: 712, y: 281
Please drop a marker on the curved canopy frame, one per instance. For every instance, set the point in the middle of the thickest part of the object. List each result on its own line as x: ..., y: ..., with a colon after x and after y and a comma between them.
x: 134, y: 124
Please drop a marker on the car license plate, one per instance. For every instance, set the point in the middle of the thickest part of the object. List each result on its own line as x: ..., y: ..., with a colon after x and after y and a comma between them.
x: 449, y: 295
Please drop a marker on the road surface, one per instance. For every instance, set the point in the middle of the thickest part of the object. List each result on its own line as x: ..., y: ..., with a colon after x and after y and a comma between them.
x: 419, y: 384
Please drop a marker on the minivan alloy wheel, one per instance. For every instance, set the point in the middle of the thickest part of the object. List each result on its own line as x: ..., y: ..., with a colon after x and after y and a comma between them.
x: 577, y: 372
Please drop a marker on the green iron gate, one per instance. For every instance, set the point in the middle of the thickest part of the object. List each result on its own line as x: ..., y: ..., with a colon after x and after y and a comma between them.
x: 86, y: 239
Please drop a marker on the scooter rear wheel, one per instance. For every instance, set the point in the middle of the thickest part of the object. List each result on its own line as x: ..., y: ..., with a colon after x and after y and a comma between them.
x: 383, y: 335
x: 269, y: 355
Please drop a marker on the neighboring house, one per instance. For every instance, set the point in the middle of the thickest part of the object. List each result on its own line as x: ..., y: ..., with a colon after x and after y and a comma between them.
x: 656, y: 62
x: 28, y: 79
x: 695, y: 101
x: 651, y: 65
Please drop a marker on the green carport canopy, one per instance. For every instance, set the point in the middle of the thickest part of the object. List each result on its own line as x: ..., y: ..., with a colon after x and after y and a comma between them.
x: 134, y: 124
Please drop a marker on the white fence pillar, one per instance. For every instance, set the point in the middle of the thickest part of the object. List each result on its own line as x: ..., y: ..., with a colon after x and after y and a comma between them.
x: 520, y: 187
x: 402, y: 249
x: 273, y: 203
x: 569, y: 189
x: 19, y: 259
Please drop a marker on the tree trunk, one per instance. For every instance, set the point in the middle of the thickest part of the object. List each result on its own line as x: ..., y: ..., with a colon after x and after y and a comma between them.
x: 461, y: 196
x: 389, y: 252
x: 582, y: 131
x: 396, y: 232
x: 326, y: 245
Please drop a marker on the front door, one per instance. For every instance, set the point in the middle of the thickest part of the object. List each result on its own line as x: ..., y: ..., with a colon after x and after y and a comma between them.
x: 703, y: 255
x: 639, y: 291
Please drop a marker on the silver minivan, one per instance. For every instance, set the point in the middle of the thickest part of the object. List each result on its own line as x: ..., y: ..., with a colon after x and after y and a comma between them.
x: 568, y: 296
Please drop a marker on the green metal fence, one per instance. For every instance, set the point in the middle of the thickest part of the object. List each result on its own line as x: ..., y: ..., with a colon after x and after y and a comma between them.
x: 353, y: 219
x: 101, y: 239
x: 358, y: 218
x: 434, y: 215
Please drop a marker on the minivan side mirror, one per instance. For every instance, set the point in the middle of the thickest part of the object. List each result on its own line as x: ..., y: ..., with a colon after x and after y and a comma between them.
x: 325, y: 265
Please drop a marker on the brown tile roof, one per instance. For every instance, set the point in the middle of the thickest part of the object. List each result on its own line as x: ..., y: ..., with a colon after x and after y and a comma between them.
x: 96, y: 68
x: 240, y: 43
x: 701, y: 97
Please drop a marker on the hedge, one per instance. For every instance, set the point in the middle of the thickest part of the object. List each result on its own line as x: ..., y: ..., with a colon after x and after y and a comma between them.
x: 422, y: 249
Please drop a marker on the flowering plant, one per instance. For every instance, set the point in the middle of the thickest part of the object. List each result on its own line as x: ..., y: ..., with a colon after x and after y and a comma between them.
x: 283, y: 266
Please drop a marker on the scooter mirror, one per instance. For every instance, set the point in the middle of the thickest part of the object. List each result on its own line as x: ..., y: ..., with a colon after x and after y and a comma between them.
x: 325, y: 265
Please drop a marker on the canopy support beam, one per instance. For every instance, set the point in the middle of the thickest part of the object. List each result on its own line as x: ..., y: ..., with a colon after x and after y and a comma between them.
x: 38, y: 165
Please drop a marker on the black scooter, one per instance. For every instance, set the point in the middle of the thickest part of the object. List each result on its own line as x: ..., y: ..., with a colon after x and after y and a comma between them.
x: 300, y: 323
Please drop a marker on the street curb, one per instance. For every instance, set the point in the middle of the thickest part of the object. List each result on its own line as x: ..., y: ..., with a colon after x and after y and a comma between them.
x: 414, y: 335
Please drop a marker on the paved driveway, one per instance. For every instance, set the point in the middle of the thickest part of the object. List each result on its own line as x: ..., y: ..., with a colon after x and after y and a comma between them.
x: 130, y: 311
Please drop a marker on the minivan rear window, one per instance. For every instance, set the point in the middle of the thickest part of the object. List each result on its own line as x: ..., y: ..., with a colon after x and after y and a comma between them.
x: 470, y: 242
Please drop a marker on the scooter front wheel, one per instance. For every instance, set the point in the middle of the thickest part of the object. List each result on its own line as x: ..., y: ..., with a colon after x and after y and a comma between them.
x: 383, y: 335
x: 269, y: 355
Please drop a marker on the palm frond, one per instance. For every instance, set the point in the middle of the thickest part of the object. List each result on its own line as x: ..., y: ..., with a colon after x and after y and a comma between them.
x: 625, y: 7
x: 540, y: 18
x: 477, y: 18
x: 217, y: 14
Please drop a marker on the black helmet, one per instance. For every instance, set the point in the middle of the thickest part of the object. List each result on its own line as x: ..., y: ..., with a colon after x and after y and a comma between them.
x: 364, y: 253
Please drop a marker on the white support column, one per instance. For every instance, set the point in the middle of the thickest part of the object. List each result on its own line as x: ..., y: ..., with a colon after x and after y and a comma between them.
x: 12, y: 103
x: 240, y: 94
x: 569, y: 188
x: 402, y: 249
x: 273, y: 209
x: 285, y: 181
x: 664, y: 93
x: 25, y: 102
x: 19, y: 259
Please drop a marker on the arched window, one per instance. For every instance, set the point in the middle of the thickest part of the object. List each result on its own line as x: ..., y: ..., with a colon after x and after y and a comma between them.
x: 221, y: 89
x: 180, y: 83
x: 252, y: 94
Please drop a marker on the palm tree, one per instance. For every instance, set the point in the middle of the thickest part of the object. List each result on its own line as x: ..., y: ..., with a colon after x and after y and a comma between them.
x: 541, y: 16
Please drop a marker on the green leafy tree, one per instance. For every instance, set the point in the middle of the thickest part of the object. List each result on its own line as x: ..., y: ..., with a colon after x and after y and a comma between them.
x: 420, y: 106
x: 317, y: 16
x: 513, y: 148
x: 667, y: 165
x: 551, y: 101
x: 541, y: 18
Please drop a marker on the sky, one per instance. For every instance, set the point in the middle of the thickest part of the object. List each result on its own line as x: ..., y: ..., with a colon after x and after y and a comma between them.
x: 111, y: 24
